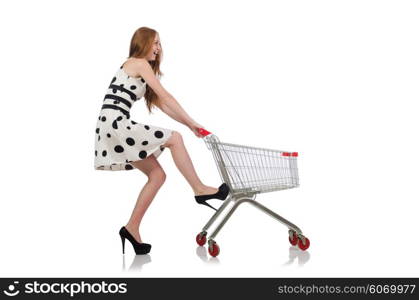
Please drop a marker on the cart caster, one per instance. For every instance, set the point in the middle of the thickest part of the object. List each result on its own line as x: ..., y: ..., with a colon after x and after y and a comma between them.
x: 213, y: 248
x: 293, y: 238
x: 201, y: 238
x: 303, y: 243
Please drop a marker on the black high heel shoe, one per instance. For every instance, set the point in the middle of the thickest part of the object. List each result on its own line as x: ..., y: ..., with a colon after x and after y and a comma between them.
x: 139, y: 248
x: 222, y: 193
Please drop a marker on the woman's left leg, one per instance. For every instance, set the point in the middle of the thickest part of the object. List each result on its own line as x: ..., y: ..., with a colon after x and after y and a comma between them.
x: 156, y: 177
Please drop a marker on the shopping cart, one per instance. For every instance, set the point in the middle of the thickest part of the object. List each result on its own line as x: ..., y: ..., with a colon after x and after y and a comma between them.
x: 249, y: 171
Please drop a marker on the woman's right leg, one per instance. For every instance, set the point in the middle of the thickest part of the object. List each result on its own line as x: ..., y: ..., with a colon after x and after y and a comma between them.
x: 184, y: 164
x: 156, y: 177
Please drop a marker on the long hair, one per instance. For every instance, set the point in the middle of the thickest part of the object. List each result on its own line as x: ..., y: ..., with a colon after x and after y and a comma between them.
x: 141, y: 43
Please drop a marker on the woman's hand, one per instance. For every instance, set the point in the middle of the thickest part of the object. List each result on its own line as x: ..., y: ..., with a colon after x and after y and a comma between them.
x: 195, y: 129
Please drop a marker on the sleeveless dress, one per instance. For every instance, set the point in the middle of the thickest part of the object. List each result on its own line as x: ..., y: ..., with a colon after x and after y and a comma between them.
x: 119, y: 140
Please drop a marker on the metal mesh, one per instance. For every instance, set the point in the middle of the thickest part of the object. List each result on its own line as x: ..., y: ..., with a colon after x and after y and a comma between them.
x: 253, y: 170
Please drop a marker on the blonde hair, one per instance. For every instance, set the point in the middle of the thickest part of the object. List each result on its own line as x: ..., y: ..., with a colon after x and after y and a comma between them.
x: 141, y: 42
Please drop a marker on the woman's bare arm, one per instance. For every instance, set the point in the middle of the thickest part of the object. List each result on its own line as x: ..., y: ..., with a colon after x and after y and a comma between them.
x: 166, y: 109
x: 166, y: 102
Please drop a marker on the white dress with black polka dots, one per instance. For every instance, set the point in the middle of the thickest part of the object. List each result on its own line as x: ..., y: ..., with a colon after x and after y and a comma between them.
x: 120, y: 140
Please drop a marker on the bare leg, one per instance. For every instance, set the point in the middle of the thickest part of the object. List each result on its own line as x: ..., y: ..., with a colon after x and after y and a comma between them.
x: 184, y: 164
x: 156, y: 177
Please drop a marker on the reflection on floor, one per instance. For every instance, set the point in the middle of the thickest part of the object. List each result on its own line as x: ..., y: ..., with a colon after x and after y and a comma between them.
x: 296, y: 254
x: 137, y: 263
x: 202, y: 253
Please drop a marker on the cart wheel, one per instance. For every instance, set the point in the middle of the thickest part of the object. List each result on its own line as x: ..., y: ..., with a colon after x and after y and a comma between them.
x: 303, y: 246
x: 214, y: 250
x: 201, y: 238
x: 294, y: 239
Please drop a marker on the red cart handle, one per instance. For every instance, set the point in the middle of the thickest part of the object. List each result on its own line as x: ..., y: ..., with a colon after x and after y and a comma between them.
x: 295, y: 154
x: 203, y: 132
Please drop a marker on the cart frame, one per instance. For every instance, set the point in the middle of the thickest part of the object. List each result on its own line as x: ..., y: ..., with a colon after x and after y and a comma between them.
x: 249, y: 171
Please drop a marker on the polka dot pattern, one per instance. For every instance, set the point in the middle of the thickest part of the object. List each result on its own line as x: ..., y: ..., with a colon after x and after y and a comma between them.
x: 120, y: 141
x: 142, y: 154
x: 158, y: 134
x: 119, y: 149
x: 130, y: 141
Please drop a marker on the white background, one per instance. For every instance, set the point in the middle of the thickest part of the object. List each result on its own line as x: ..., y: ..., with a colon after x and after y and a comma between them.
x: 336, y: 81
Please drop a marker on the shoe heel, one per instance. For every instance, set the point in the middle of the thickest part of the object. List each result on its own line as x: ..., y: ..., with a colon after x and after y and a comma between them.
x: 139, y: 248
x: 205, y: 203
x: 123, y: 244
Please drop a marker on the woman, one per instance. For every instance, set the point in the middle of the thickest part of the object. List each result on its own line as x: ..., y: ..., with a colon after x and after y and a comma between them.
x: 123, y: 144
